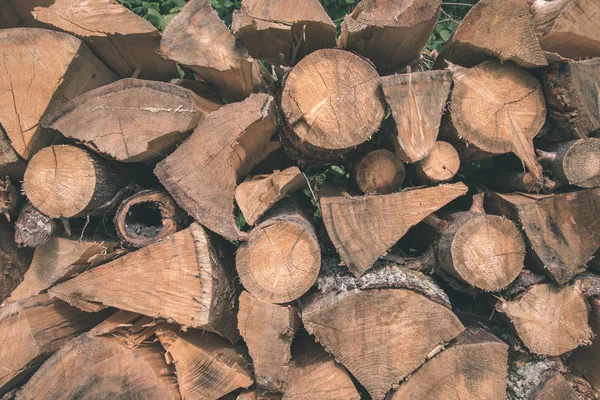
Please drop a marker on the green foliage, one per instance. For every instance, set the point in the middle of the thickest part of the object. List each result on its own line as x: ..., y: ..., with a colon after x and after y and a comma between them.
x: 158, y: 13
x: 225, y: 8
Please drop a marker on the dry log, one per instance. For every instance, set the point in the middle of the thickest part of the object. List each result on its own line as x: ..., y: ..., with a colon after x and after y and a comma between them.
x: 184, y: 279
x: 575, y: 162
x: 11, y: 164
x: 441, y: 165
x: 201, y: 174
x: 210, y: 50
x: 14, y: 262
x: 43, y: 69
x: 512, y: 181
x: 256, y: 195
x: 417, y: 101
x: 281, y: 32
x: 131, y: 120
x: 556, y: 388
x: 268, y: 331
x: 10, y: 199
x: 561, y: 229
x: 331, y: 102
x: 379, y: 172
x: 482, y: 35
x: 125, y: 42
x: 281, y: 259
x: 202, y: 88
x: 65, y: 181
x: 363, y: 228
x: 585, y: 359
x: 32, y: 228
x: 207, y: 367
x: 390, y: 33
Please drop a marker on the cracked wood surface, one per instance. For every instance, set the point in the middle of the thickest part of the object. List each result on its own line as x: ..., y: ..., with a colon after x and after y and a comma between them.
x: 14, y: 261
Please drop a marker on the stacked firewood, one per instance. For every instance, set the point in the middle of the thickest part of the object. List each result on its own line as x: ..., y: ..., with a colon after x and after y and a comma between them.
x: 172, y: 238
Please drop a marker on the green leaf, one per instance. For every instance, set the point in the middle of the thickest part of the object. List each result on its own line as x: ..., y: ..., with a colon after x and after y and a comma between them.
x: 156, y: 19
x: 445, y: 35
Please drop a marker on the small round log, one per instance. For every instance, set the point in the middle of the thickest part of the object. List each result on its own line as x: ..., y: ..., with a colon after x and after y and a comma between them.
x: 576, y: 162
x: 380, y: 172
x: 441, y: 165
x: 32, y: 228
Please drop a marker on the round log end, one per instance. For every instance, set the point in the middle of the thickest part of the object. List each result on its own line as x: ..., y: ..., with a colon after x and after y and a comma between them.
x: 380, y: 172
x: 441, y: 165
x: 581, y: 163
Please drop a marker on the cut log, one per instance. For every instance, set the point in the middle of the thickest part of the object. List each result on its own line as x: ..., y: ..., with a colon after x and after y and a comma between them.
x: 512, y: 181
x: 115, y: 372
x: 59, y: 259
x: 125, y: 42
x: 575, y: 162
x: 281, y: 32
x: 10, y: 199
x: 556, y: 388
x: 189, y: 285
x: 131, y: 120
x: 42, y: 70
x: 133, y: 329
x: 441, y: 165
x: 207, y: 367
x: 379, y: 172
x: 65, y: 181
x: 147, y: 217
x: 561, y: 231
x: 268, y: 330
x: 331, y: 102
x: 11, y: 164
x: 482, y: 35
x: 33, y: 228
x: 282, y: 257
x: 473, y: 367
x: 203, y: 89
x: 35, y: 328
x: 198, y: 39
x: 567, y: 27
x: 571, y: 90
x: 389, y: 33
x: 417, y: 101
x: 201, y: 174
x: 535, y: 378
x: 498, y: 108
x: 549, y: 320
x: 257, y: 195
x: 14, y: 262
x: 585, y: 360
x: 363, y: 228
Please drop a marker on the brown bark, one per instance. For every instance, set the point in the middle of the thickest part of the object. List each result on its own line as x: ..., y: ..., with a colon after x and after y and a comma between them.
x: 575, y: 162
x: 512, y: 181
x: 440, y: 166
x: 379, y: 172
x: 32, y: 228
x: 14, y: 262
x: 10, y: 199
x: 585, y: 359
x: 11, y: 164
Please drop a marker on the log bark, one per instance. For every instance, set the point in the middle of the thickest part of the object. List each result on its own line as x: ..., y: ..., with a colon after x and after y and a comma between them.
x: 11, y: 164
x: 511, y: 181
x: 389, y: 33
x: 202, y: 174
x: 327, y: 113
x: 575, y: 162
x: 32, y: 228
x: 282, y: 33
x: 43, y: 69
x: 131, y: 120
x: 417, y: 101
x: 10, y: 199
x: 379, y: 172
x: 585, y: 359
x: 14, y: 262
x: 440, y: 166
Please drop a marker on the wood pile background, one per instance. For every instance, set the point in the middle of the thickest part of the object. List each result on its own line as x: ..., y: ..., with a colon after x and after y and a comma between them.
x: 306, y: 213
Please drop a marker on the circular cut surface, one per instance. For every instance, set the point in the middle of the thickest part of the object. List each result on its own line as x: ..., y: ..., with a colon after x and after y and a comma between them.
x: 60, y: 181
x: 488, y: 252
x: 441, y: 164
x: 394, y: 13
x: 581, y: 164
x: 381, y: 172
x: 332, y: 100
x: 279, y: 263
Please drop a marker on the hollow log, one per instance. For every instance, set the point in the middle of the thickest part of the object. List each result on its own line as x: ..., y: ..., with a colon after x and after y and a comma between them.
x: 32, y: 228
x: 379, y: 172
x: 575, y: 162
x: 585, y: 359
x: 440, y: 166
x: 10, y: 199
x: 14, y: 261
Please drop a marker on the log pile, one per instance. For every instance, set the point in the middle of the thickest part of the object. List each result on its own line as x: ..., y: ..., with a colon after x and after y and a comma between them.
x: 302, y: 213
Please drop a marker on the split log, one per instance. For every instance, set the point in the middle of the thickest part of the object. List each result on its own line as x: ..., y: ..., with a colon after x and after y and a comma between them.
x: 281, y: 259
x: 561, y: 231
x: 10, y: 199
x: 202, y: 173
x: 389, y: 33
x: 482, y: 36
x: 539, y: 379
x: 190, y: 284
x: 14, y: 262
x: 11, y: 164
x: 43, y: 69
x: 32, y: 228
x: 147, y: 217
x: 207, y: 367
x: 281, y: 32
x: 556, y: 388
x: 585, y: 360
x: 511, y: 181
x: 133, y: 329
x: 440, y: 166
x: 268, y: 331
x: 210, y: 50
x: 575, y: 162
x: 65, y: 181
x: 379, y: 172
x: 202, y: 88
x: 125, y: 42
x: 257, y: 195
x: 35, y: 328
x: 363, y: 228
x: 131, y: 120
x: 417, y: 101
x: 549, y: 320
x: 331, y: 102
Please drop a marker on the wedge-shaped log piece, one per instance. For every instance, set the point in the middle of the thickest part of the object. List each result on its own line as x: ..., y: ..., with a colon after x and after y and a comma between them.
x: 90, y: 367
x: 203, y: 89
x: 576, y: 162
x: 585, y: 360
x: 11, y: 164
x: 131, y: 328
x: 198, y: 39
x: 182, y: 278
x: 441, y: 165
x: 556, y: 388
x: 32, y: 228
x: 42, y: 70
x: 207, y: 367
x: 379, y: 172
x: 389, y: 33
x: 33, y: 329
x: 131, y: 120
x: 550, y: 320
x: 381, y: 336
x: 202, y: 174
x: 282, y: 32
x: 363, y: 228
x: 14, y: 262
x: 417, y: 101
x: 561, y: 230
